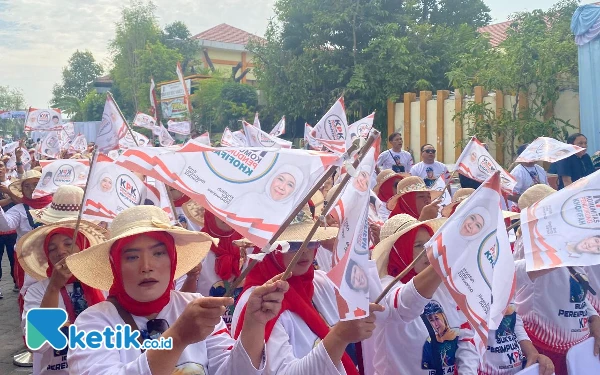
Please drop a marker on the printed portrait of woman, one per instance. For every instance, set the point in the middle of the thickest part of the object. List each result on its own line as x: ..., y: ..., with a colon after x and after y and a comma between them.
x: 356, y: 277
x: 103, y: 186
x: 361, y: 181
x: 589, y: 245
x: 474, y: 222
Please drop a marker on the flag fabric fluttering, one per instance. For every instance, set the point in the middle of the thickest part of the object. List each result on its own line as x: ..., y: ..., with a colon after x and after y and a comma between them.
x: 204, y: 139
x: 186, y: 94
x: 440, y: 185
x: 111, y: 190
x: 472, y: 254
x: 476, y: 163
x: 49, y: 119
x: 309, y: 141
x: 153, y: 101
x: 547, y: 149
x: 50, y: 145
x: 179, y: 127
x: 332, y: 130
x: 256, y: 122
x: 279, y: 128
x: 258, y: 138
x: 229, y: 140
x: 78, y: 144
x: 69, y: 129
x: 563, y: 229
x: 143, y: 120
x: 10, y: 148
x: 360, y: 128
x: 252, y: 189
x: 128, y: 142
x: 164, y: 138
x: 112, y: 127
x: 158, y: 196
x: 58, y: 173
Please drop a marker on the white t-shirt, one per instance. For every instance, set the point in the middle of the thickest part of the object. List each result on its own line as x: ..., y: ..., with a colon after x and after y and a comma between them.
x: 593, y: 274
x: 523, y: 175
x: 430, y: 172
x: 387, y: 159
x: 293, y: 348
x: 553, y: 307
x: 218, y: 354
x: 403, y: 343
x: 324, y: 259
x: 183, y: 219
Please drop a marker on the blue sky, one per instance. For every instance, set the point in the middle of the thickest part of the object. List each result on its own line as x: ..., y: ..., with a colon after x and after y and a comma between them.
x: 37, y: 37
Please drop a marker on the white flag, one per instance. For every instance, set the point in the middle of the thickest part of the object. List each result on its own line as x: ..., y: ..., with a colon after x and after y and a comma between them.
x: 476, y: 163
x: 144, y: 121
x: 43, y: 119
x: 278, y: 129
x: 128, y: 142
x: 163, y: 135
x: 204, y: 139
x: 309, y: 140
x: 360, y: 128
x: 228, y: 139
x: 153, y: 98
x: 258, y: 138
x: 79, y: 144
x: 112, y: 128
x: 256, y: 121
x: 186, y: 94
x: 69, y: 128
x: 440, y: 185
x: 180, y: 127
x: 157, y: 196
x: 61, y: 172
x: 332, y: 129
x: 547, y: 149
x: 10, y: 148
x: 50, y: 145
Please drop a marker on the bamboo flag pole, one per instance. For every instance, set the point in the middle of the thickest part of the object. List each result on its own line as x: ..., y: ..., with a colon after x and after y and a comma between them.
x: 87, y: 184
x: 123, y: 117
x: 400, y: 276
x: 343, y: 183
x: 236, y: 283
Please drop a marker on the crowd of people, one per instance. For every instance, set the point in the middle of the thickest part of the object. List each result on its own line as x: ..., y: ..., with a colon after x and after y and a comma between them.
x: 170, y: 281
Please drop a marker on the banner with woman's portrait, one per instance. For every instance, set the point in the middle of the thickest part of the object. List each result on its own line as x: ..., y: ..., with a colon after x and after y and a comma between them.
x: 253, y: 190
x: 564, y: 228
x: 547, y: 149
x: 61, y: 172
x: 471, y: 253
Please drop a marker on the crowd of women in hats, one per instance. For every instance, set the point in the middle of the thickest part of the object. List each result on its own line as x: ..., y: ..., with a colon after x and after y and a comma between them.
x: 169, y: 281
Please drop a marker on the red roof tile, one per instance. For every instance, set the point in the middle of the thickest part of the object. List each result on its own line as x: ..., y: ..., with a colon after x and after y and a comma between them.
x: 496, y: 31
x: 225, y: 33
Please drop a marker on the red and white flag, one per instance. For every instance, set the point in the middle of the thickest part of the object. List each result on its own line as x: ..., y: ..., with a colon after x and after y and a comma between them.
x: 476, y: 163
x: 440, y: 185
x: 144, y: 121
x: 547, y: 149
x: 51, y: 145
x: 186, y: 94
x: 204, y: 139
x: 10, y: 147
x: 153, y: 100
x: 564, y: 228
x: 360, y: 129
x: 158, y: 196
x: 49, y: 119
x: 252, y: 189
x: 471, y: 253
x: 112, y: 127
x: 79, y: 144
x: 179, y: 127
x: 69, y: 129
x: 111, y: 190
x: 128, y: 142
x: 229, y: 140
x: 164, y: 138
x: 61, y: 172
x: 351, y: 253
x: 258, y: 138
x: 332, y: 129
x: 278, y: 129
x: 309, y: 140
x: 256, y: 121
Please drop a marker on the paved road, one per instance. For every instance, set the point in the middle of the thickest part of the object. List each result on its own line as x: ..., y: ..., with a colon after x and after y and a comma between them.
x: 11, y: 341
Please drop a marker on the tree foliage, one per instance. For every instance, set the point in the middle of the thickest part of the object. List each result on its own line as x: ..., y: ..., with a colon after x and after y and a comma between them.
x: 77, y: 76
x: 177, y: 37
x: 11, y: 99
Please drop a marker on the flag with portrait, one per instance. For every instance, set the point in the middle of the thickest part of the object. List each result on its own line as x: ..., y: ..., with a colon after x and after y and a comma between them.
x: 49, y: 119
x: 547, y: 149
x: 61, y: 172
x: 332, y: 130
x: 112, y: 128
x: 279, y: 128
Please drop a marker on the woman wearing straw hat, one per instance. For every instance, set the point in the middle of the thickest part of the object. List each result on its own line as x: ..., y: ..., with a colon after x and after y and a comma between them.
x: 307, y: 337
x: 42, y: 253
x: 558, y: 321
x: 414, y: 198
x: 138, y: 264
x: 422, y: 328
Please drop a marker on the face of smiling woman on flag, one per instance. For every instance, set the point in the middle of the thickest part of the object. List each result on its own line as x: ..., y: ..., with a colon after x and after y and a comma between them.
x: 106, y: 184
x: 590, y: 245
x: 361, y: 183
x: 472, y: 225
x: 282, y: 186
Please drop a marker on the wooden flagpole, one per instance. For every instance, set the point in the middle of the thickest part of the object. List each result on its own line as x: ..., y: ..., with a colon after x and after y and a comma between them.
x: 87, y: 184
x: 400, y: 276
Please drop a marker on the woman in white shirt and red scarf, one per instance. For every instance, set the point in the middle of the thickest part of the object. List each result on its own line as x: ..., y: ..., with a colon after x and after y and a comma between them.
x: 138, y: 265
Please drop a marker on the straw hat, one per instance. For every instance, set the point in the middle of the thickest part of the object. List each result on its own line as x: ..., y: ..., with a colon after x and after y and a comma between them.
x: 460, y: 195
x: 15, y: 187
x: 76, y: 156
x: 388, y: 175
x: 30, y: 247
x: 410, y: 184
x: 318, y: 201
x: 92, y: 266
x: 534, y: 194
x: 66, y: 203
x: 194, y: 212
x: 393, y: 229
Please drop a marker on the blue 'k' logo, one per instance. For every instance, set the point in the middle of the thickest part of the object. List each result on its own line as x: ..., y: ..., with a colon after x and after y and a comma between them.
x: 44, y: 325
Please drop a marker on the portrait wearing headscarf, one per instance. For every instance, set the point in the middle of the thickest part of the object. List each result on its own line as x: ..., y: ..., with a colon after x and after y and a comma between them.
x: 103, y: 187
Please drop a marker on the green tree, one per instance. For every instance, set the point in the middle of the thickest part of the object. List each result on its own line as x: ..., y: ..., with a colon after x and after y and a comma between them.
x: 77, y: 76
x: 11, y: 99
x: 158, y: 61
x: 177, y: 36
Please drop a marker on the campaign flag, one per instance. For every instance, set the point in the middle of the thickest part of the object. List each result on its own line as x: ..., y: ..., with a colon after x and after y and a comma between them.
x: 251, y: 189
x: 360, y: 129
x: 111, y: 190
x: 256, y: 121
x: 144, y: 121
x: 240, y: 137
x: 440, y: 185
x: 309, y: 140
x: 332, y: 129
x: 25, y: 159
x: 375, y: 205
x: 69, y: 128
x: 44, y: 163
x: 564, y: 228
x: 128, y: 142
x: 112, y: 128
x: 61, y: 172
x: 163, y: 135
x: 157, y: 196
x: 79, y: 144
x: 229, y: 140
x: 351, y: 253
x: 547, y: 149
x: 186, y: 94
x: 258, y: 138
x: 204, y: 139
x: 278, y: 129
x: 50, y: 145
x: 471, y: 253
x: 43, y: 119
x: 153, y: 98
x: 476, y: 163
x: 179, y: 127
x: 10, y: 148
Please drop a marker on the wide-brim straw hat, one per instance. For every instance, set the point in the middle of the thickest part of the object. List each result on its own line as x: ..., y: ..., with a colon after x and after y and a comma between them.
x: 388, y: 176
x: 31, y: 174
x: 393, y: 229
x: 92, y: 266
x: 30, y: 247
x: 318, y: 201
x: 194, y: 212
x: 534, y: 194
x: 460, y: 195
x: 66, y: 204
x: 412, y: 184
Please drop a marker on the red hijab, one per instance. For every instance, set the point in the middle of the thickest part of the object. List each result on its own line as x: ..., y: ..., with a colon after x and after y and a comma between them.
x: 117, y: 289
x: 92, y: 296
x: 181, y: 201
x: 37, y: 203
x: 227, y: 263
x: 407, y: 204
x: 388, y: 189
x: 401, y: 254
x: 297, y: 299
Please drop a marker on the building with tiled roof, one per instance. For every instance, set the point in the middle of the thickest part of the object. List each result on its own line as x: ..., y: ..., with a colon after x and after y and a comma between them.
x: 496, y: 32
